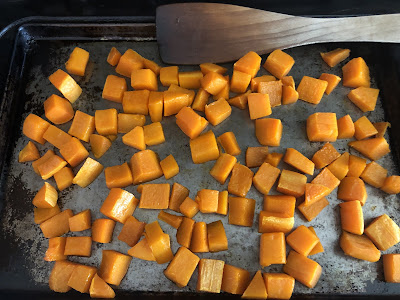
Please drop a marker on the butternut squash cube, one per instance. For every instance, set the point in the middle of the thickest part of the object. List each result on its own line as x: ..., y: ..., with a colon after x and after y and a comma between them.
x: 56, y: 136
x: 248, y: 63
x: 383, y: 232
x: 113, y: 56
x: 102, y: 230
x: 136, y: 102
x: 229, y: 143
x: 129, y: 61
x: 208, y: 201
x: 189, y: 208
x: 114, y: 266
x: 174, y: 101
x: 142, y: 251
x: 311, y: 211
x: 274, y: 222
x: 210, y: 275
x: 255, y: 156
x: 359, y: 246
x: 280, y: 204
x: 199, y: 241
x: 235, y: 280
x: 256, y: 81
x: 216, y: 235
x: 239, y: 101
x: 391, y: 185
x: 217, y: 111
x: 279, y: 285
x: 89, y: 171
x: 311, y: 89
x: 256, y: 288
x: 279, y: 63
x: 273, y: 89
x: 259, y: 105
x: 274, y: 158
x: 144, y: 79
x: 292, y: 183
x: 325, y: 156
x: 132, y: 231
x: 302, y: 240
x: 58, y: 110
x: 56, y: 225
x: 326, y: 178
x: 169, y: 75
x: 209, y: 67
x: 80, y: 221
x: 74, y: 152
x: 272, y: 249
x: 153, y: 134
x: 241, y: 180
x: 99, y: 145
x: 265, y: 178
x: 373, y: 149
x: 332, y: 58
x: 318, y: 247
x: 223, y: 167
x: 156, y: 106
x: 178, y: 195
x: 351, y: 217
x: 351, y: 189
x: 169, y: 166
x: 60, y: 274
x: 374, y: 174
x: 152, y: 65
x: 126, y: 122
x: 269, y: 131
x: 299, y: 161
x: 159, y: 242
x: 43, y: 214
x: 356, y: 166
x: 322, y: 127
x: 135, y: 138
x: 340, y: 167
x: 82, y: 126
x: 222, y: 203
x: 204, y: 148
x: 77, y: 61
x: 391, y: 263
x: 145, y: 166
x: 106, y: 121
x: 155, y: 196
x: 190, y: 80
x: 302, y: 269
x: 332, y: 81
x: 213, y: 83
x: 81, y: 278
x: 118, y: 176
x: 289, y: 95
x: 239, y: 82
x: 119, y: 205
x: 46, y: 197
x: 28, y: 153
x: 100, y: 289
x: 356, y: 73
x: 201, y: 100
x: 177, y: 89
x: 51, y: 166
x: 184, y: 232
x: 34, y: 128
x: 66, y: 85
x: 364, y: 97
x: 78, y: 245
x: 55, y: 251
x: 190, y: 122
x: 381, y: 127
x: 364, y: 128
x: 241, y: 211
x: 346, y: 128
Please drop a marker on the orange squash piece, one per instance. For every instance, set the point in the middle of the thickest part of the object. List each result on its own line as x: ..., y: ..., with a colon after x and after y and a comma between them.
x: 201, y: 100
x: 102, y: 230
x: 114, y: 88
x: 274, y: 158
x: 169, y: 166
x: 224, y: 93
x: 391, y: 185
x: 272, y: 249
x: 255, y: 156
x: 256, y: 288
x: 346, y: 128
x: 289, y: 95
x: 248, y: 63
x: 199, y: 241
x: 222, y: 203
x: 182, y: 266
x: 144, y: 79
x: 28, y: 153
x: 374, y: 174
x: 78, y: 245
x: 106, y: 121
x: 51, y: 166
x: 279, y: 285
x: 364, y: 128
x: 118, y: 176
x: 89, y: 171
x: 55, y: 251
x: 292, y: 183
x: 351, y: 217
x: 145, y: 166
x: 184, y: 232
x: 240, y: 101
x: 322, y: 127
x: 216, y: 236
x: 82, y: 126
x: 207, y: 200
x: 274, y: 222
x: 229, y: 143
x: 359, y: 246
x: 326, y: 178
x: 81, y: 278
x: 217, y: 111
x: 177, y: 89
x: 213, y: 83
x: 235, y: 280
x: 178, y: 195
x: 99, y: 145
x: 155, y: 196
x: 332, y: 58
x: 279, y: 63
x: 189, y: 208
x: 46, y: 197
x: 299, y: 161
x: 119, y: 205
x: 173, y: 220
x: 174, y: 101
x: 149, y: 64
x: 56, y: 225
x: 241, y: 180
x: 259, y: 105
x: 58, y: 110
x: 280, y: 204
x: 61, y: 272
x: 77, y: 61
x: 356, y: 166
x: 129, y: 61
x: 169, y: 75
x: 383, y: 232
x: 391, y: 263
x: 269, y: 131
x: 135, y: 138
x: 142, y: 251
x: 190, y: 122
x: 351, y: 189
x: 132, y: 231
x: 34, y: 128
x: 190, y: 80
x: 381, y: 127
x: 332, y: 81
x: 364, y: 98
x: 209, y: 67
x: 265, y: 178
x: 159, y: 243
x: 136, y: 102
x: 156, y: 106
x: 100, y: 289
x: 223, y: 167
x: 302, y: 269
x: 313, y: 210
x: 126, y: 122
x: 114, y: 266
x: 56, y: 136
x: 239, y: 82
x: 66, y: 85
x: 80, y: 221
x: 373, y: 149
x: 288, y: 81
x: 318, y: 247
x: 74, y: 152
x: 302, y: 240
x: 43, y: 214
x: 356, y: 73
x: 241, y: 211
x: 153, y: 134
x: 340, y: 166
x: 311, y: 89
x: 113, y: 56
x: 210, y: 274
x: 274, y: 91
x: 324, y: 156
x: 204, y: 148
x: 256, y: 81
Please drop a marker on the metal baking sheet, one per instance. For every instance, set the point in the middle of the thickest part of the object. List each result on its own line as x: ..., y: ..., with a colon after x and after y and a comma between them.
x: 45, y: 47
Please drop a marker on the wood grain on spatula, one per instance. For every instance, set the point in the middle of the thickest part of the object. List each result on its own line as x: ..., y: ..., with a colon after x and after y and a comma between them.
x: 194, y: 33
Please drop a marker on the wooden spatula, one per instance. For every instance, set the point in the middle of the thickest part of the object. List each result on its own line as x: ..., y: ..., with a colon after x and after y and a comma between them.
x: 193, y: 33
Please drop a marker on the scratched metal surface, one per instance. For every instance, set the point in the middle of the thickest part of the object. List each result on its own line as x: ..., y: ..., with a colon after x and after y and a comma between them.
x: 341, y: 274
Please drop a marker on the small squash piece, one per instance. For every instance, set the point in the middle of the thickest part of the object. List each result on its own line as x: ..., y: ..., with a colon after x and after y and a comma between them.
x: 269, y: 131
x: 173, y: 220
x: 240, y: 101
x: 114, y: 88
x: 391, y: 264
x: 356, y: 73
x: 177, y: 89
x: 190, y: 122
x: 332, y: 58
x: 184, y: 232
x: 100, y: 289
x: 265, y: 178
x: 391, y: 185
x: 132, y: 231
x: 126, y: 122
x: 289, y: 95
x: 56, y: 225
x: 332, y: 81
x: 280, y: 204
x: 274, y: 158
x: 82, y: 126
x: 364, y: 128
x: 351, y: 217
x: 152, y: 65
x: 74, y: 152
x: 346, y: 128
x: 78, y: 245
x: 373, y: 149
x: 204, y: 148
x: 302, y: 240
x: 56, y: 136
x: 114, y: 266
x: 169, y: 75
x: 239, y: 82
x: 299, y: 161
x: 135, y: 138
x: 292, y: 183
x: 313, y: 210
x: 155, y: 196
x: 99, y: 145
x: 322, y: 127
x: 169, y: 166
x: 129, y: 61
x: 80, y: 221
x: 381, y: 127
x: 207, y: 200
x: 383, y: 232
x: 58, y: 110
x: 201, y: 100
x: 302, y: 269
x: 77, y: 61
x: 235, y: 280
x: 136, y: 102
x: 34, y: 128
x: 256, y: 288
x: 241, y: 180
x: 113, y: 56
x: 46, y: 197
x: 324, y: 156
x: 153, y: 134
x: 102, y: 230
x: 64, y: 178
x: 189, y: 208
x: 199, y: 241
x: 311, y: 89
x: 218, y: 111
x: 119, y: 205
x: 364, y: 98
x: 66, y: 85
x: 144, y: 79
x: 351, y: 189
x: 216, y: 235
x: 229, y: 143
x: 61, y: 272
x: 248, y: 63
x: 142, y: 251
x: 156, y: 106
x: 223, y: 167
x: 318, y: 247
x: 145, y: 166
x: 315, y: 192
x: 28, y: 153
x: 340, y: 166
x: 43, y: 214
x: 259, y: 105
x: 55, y: 251
x: 279, y: 63
x: 210, y: 274
x: 209, y: 67
x: 274, y: 91
x: 190, y: 80
x: 356, y: 166
x: 279, y: 285
x: 81, y: 278
x: 178, y: 195
x: 374, y: 174
x: 241, y: 211
x: 256, y: 81
x: 326, y: 178
x: 89, y: 171
x: 272, y: 249
x: 51, y: 166
x: 255, y: 156
x: 274, y: 222
x: 359, y: 246
x: 106, y: 121
x: 213, y: 83
x: 174, y: 101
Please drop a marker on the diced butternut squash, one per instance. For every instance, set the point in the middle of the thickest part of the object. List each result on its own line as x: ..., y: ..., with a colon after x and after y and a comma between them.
x: 265, y: 178
x: 256, y: 288
x: 346, y: 128
x: 51, y: 166
x: 217, y: 111
x: 318, y: 247
x: 159, y: 243
x: 114, y: 88
x: 351, y: 189
x: 78, y: 245
x: 288, y: 81
x: 60, y: 274
x: 292, y: 183
x: 204, y: 148
x: 325, y: 156
x: 224, y: 93
x: 391, y: 263
x: 311, y: 89
x: 189, y: 208
x: 132, y: 231
x: 235, y: 280
x: 199, y: 241
x: 177, y: 89
x: 152, y: 65
x: 213, y: 83
x: 208, y: 200
x: 391, y: 185
x: 274, y: 158
x: 56, y: 136
x: 190, y: 79
x: 89, y: 171
x: 184, y: 232
x: 56, y: 225
x: 240, y: 101
x: 64, y: 178
x: 351, y: 217
x: 223, y: 167
x: 356, y: 73
x: 155, y: 196
x: 259, y: 105
x: 74, y: 152
x: 144, y: 79
x: 210, y: 275
x: 56, y: 248
x: 174, y: 101
x: 100, y: 289
x: 169, y: 75
x: 153, y: 134
x: 216, y: 235
x: 383, y: 232
x: 332, y: 58
x: 66, y: 85
x: 142, y: 251
x: 299, y: 161
x: 302, y: 240
x: 364, y: 128
x: 241, y: 211
x: 81, y: 278
x: 209, y: 67
x: 126, y: 122
x: 129, y: 61
x: 229, y: 143
x: 135, y: 138
x: 280, y: 204
x: 34, y: 128
x: 279, y: 63
x: 256, y: 81
x: 241, y: 180
x: 356, y: 166
x: 274, y: 222
x: 106, y: 121
x: 302, y: 269
x: 312, y: 210
x: 374, y: 174
x: 340, y: 167
x: 274, y: 91
x: 169, y: 166
x: 77, y: 61
x: 145, y: 166
x: 289, y: 95
x: 114, y: 266
x: 364, y: 97
x: 239, y: 82
x: 82, y: 126
x: 58, y: 110
x: 80, y: 221
x: 173, y: 220
x: 381, y: 127
x: 269, y: 131
x: 332, y: 81
x: 326, y: 178
x: 272, y: 249
x: 99, y: 145
x: 182, y: 266
x: 322, y: 127
x: 178, y: 195
x: 156, y: 106
x: 359, y: 246
x: 28, y: 153
x: 373, y: 149
x: 136, y: 102
x: 113, y: 56
x: 190, y: 122
x: 248, y: 63
x: 279, y: 285
x: 201, y: 100
x: 102, y: 230
x: 46, y: 197
x: 119, y: 205
x: 43, y: 214
x: 255, y: 156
